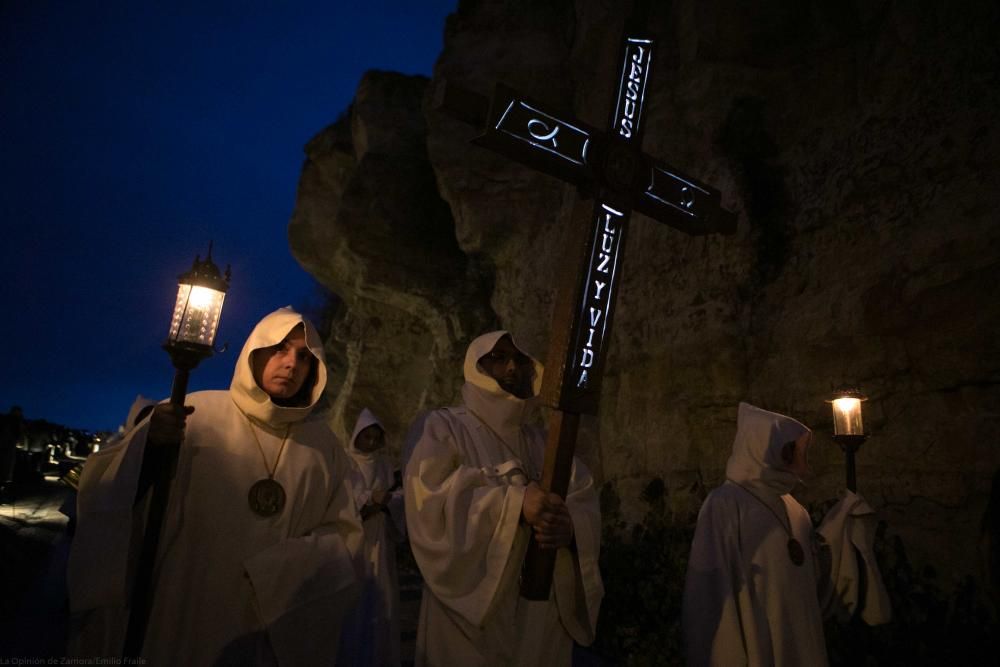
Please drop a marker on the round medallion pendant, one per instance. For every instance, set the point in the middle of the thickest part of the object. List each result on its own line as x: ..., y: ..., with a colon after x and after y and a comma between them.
x: 795, y: 551
x: 266, y: 497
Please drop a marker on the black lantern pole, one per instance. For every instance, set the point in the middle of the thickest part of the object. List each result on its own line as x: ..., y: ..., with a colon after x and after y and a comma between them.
x: 848, y: 429
x: 195, y: 322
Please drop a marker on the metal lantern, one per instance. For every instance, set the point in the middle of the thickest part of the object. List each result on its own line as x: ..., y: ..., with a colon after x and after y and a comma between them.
x: 847, y: 418
x: 200, y: 294
x: 848, y: 428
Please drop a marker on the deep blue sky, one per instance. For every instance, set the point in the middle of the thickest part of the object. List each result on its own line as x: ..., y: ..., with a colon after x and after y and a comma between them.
x: 132, y: 133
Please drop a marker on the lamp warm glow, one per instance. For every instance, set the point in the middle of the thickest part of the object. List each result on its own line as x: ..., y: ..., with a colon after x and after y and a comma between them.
x: 847, y: 414
x: 196, y: 315
x: 198, y: 309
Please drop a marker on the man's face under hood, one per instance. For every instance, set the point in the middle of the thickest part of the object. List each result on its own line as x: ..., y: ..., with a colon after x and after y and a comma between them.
x: 796, y: 455
x: 370, y: 439
x: 511, y: 368
x: 282, y: 369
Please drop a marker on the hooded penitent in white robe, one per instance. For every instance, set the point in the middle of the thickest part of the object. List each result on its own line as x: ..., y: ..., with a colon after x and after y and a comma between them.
x: 370, y: 635
x: 745, y: 601
x: 464, y: 486
x: 230, y: 587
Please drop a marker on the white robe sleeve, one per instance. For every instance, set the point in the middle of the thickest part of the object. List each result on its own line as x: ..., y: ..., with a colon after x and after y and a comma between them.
x: 305, y: 585
x: 98, y: 569
x: 711, y: 619
x: 461, y: 527
x: 577, y: 577
x: 849, y: 530
x: 108, y: 524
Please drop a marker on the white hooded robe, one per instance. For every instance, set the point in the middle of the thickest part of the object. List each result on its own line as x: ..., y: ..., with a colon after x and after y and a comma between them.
x: 230, y: 587
x: 371, y: 631
x: 464, y: 485
x: 745, y: 601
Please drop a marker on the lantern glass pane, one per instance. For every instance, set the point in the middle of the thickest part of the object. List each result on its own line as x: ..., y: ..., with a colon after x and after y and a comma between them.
x: 196, y: 315
x: 847, y: 417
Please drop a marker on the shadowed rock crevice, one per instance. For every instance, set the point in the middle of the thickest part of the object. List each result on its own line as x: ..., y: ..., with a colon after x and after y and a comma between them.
x: 744, y: 137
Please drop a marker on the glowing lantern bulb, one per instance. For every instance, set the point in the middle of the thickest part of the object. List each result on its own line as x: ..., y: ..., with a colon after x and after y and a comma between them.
x: 847, y: 414
x: 198, y: 308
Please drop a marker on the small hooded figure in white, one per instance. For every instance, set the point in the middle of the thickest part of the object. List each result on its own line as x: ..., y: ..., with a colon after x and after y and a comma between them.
x: 371, y: 632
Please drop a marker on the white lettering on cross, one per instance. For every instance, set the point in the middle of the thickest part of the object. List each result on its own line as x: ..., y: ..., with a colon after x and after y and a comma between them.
x: 626, y: 130
x: 633, y: 89
x: 604, y: 261
x: 687, y: 197
x: 590, y: 343
x: 630, y: 88
x: 636, y: 71
x: 607, y: 242
x: 604, y: 258
x: 543, y: 134
x: 599, y: 285
x: 637, y: 57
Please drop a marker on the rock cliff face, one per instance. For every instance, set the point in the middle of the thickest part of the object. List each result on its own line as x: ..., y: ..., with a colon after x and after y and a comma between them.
x: 859, y: 148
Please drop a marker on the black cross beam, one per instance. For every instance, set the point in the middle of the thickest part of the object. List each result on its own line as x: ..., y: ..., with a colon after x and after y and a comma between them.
x: 611, y: 168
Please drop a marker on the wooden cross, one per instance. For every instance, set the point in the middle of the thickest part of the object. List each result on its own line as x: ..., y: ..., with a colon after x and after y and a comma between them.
x: 611, y: 167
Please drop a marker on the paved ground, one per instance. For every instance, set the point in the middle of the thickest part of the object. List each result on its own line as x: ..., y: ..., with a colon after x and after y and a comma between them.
x: 33, y: 552
x: 410, y: 586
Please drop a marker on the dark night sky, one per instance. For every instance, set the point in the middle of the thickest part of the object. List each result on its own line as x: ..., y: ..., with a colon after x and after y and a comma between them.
x: 132, y: 133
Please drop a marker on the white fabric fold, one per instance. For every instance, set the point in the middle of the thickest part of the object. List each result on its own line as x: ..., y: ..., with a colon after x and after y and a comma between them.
x: 461, y: 521
x: 320, y: 581
x: 849, y: 530
x: 111, y: 478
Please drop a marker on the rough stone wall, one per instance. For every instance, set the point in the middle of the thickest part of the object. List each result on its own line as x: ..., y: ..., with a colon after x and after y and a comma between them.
x: 857, y: 143
x: 370, y: 225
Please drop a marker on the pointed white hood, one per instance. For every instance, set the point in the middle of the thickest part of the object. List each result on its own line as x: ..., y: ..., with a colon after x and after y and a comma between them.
x: 253, y: 400
x: 375, y: 468
x: 365, y: 419
x: 502, y: 411
x: 756, y: 459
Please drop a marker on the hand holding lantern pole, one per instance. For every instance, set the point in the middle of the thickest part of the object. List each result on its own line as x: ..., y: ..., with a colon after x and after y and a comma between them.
x: 848, y: 429
x: 195, y: 322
